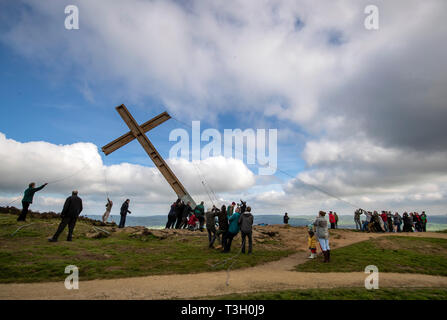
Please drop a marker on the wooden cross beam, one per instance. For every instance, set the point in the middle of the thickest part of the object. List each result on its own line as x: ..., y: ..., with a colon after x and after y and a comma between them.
x: 138, y: 132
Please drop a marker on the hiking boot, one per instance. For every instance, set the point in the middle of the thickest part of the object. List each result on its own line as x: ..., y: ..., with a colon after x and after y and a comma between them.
x: 328, y: 256
x: 325, y: 256
x: 52, y: 240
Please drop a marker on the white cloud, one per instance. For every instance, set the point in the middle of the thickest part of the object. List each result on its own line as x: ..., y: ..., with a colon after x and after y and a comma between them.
x: 79, y: 166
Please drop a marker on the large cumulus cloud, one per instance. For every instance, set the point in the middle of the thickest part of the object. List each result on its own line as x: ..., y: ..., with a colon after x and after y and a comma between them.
x: 79, y: 166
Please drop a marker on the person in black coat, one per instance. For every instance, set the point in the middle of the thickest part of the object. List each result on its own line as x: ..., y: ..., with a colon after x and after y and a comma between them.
x: 179, y: 212
x: 171, y: 216
x: 123, y: 212
x: 187, y: 211
x: 70, y: 212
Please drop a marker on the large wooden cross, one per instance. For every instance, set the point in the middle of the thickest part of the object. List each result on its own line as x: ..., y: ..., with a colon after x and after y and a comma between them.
x: 139, y: 132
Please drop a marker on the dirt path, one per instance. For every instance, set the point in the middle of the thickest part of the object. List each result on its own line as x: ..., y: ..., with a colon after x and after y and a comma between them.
x: 270, y: 276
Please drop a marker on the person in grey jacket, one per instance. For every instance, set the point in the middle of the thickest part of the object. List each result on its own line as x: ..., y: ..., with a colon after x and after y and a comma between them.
x: 210, y: 218
x: 246, y: 225
x: 322, y: 233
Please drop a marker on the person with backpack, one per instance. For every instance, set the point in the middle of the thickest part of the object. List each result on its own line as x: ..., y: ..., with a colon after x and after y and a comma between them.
x: 246, y: 225
x: 233, y: 230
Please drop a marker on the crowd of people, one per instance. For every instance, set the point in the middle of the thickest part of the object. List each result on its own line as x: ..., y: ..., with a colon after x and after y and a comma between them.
x: 388, y: 222
x: 222, y: 224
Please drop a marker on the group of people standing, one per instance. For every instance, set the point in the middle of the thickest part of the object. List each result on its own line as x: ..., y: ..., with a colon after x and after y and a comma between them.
x: 182, y: 216
x: 388, y: 222
x: 222, y: 224
x: 333, y: 219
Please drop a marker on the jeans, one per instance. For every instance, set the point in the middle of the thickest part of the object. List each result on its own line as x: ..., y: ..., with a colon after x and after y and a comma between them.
x: 324, y: 244
x: 22, y: 216
x: 358, y: 225
x: 365, y: 226
x: 211, y: 236
x: 201, y: 222
x: 250, y: 241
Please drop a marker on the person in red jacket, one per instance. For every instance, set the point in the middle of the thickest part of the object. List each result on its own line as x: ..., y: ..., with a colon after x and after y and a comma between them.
x: 332, y: 220
x: 385, y: 219
x: 192, y: 222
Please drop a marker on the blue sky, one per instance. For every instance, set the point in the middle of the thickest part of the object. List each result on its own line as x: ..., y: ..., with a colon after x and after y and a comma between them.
x: 297, y: 67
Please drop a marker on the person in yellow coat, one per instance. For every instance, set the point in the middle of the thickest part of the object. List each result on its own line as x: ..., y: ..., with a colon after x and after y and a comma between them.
x: 312, y: 243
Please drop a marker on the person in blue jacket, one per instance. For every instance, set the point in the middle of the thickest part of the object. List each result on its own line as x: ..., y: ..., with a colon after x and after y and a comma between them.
x: 233, y: 230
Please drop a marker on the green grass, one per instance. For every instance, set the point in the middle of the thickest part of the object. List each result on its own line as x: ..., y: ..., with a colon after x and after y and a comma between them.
x: 29, y: 257
x: 389, y: 254
x: 343, y: 294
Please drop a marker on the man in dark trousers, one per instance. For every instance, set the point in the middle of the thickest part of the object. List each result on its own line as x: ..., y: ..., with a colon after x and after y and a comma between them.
x: 179, y: 213
x: 246, y: 225
x: 123, y: 212
x: 286, y: 218
x: 70, y: 212
x: 171, y: 216
x: 187, y: 211
x: 28, y: 199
